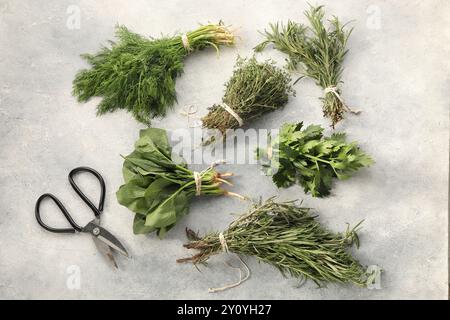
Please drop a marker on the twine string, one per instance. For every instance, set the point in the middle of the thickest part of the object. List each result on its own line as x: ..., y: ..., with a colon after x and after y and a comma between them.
x: 185, y: 41
x: 333, y: 90
x: 189, y: 112
x: 198, y: 183
x: 198, y: 176
x: 217, y: 162
x: 233, y: 113
x: 223, y: 243
x: 242, y: 277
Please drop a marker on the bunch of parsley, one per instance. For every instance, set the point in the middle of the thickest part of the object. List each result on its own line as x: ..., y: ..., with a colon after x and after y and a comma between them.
x: 306, y: 157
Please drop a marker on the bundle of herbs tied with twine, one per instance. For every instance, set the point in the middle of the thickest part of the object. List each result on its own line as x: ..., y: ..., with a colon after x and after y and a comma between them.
x: 255, y: 88
x: 159, y: 186
x: 138, y: 74
x: 319, y: 52
x: 288, y: 237
x: 304, y: 156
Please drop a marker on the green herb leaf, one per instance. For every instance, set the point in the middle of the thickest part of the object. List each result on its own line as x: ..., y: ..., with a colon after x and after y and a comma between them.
x: 290, y: 238
x: 317, y: 51
x: 138, y: 74
x: 254, y: 89
x: 311, y: 160
x: 158, y: 189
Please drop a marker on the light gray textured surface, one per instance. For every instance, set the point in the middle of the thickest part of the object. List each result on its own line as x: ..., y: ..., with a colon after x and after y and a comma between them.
x: 396, y: 72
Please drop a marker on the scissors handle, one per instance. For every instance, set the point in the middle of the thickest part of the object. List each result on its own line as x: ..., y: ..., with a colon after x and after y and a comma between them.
x: 97, y: 210
x: 75, y: 226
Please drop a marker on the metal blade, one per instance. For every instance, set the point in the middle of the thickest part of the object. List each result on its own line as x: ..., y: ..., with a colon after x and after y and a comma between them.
x: 105, y: 250
x: 106, y: 237
x: 116, y: 245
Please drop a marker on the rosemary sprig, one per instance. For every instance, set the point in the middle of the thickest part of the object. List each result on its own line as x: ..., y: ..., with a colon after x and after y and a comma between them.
x: 138, y: 74
x: 291, y: 239
x: 254, y: 89
x: 319, y: 51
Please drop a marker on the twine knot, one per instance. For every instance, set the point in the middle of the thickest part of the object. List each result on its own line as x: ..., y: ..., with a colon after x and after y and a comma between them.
x: 189, y: 112
x: 223, y: 242
x: 334, y: 90
x: 198, y: 176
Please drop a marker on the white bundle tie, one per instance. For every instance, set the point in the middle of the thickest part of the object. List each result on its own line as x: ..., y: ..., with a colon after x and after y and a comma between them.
x: 198, y: 183
x: 233, y: 113
x: 333, y: 90
x: 185, y: 41
x: 223, y: 242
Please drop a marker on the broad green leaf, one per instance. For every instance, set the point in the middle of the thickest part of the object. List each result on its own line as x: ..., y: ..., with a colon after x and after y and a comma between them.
x: 166, y: 213
x: 159, y: 138
x: 131, y: 195
x: 139, y: 226
x: 153, y: 184
x: 156, y: 187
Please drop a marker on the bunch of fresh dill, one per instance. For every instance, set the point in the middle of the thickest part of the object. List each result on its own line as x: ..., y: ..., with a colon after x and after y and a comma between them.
x: 319, y: 51
x: 288, y: 237
x: 138, y: 74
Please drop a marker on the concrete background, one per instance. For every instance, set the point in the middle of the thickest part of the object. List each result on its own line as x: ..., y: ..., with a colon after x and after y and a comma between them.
x: 396, y: 72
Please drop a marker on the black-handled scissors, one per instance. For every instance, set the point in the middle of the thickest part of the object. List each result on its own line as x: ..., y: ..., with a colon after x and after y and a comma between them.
x: 103, y: 239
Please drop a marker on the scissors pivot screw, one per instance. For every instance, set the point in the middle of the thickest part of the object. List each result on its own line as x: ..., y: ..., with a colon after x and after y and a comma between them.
x: 96, y: 231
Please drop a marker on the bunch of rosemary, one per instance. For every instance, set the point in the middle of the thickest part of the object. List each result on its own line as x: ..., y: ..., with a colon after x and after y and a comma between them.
x: 288, y: 237
x: 139, y: 74
x: 320, y: 51
x: 254, y: 89
x: 306, y: 157
x: 159, y: 187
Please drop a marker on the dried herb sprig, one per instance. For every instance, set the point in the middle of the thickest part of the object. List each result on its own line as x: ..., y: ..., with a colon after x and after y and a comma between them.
x: 138, y: 74
x: 159, y: 187
x: 291, y: 239
x: 254, y: 89
x: 319, y: 51
x: 306, y: 157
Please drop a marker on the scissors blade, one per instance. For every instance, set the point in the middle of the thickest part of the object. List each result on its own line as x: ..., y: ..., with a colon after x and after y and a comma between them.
x: 106, y: 251
x: 106, y: 237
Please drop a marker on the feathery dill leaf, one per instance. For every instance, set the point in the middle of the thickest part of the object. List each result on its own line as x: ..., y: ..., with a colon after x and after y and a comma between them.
x: 138, y: 74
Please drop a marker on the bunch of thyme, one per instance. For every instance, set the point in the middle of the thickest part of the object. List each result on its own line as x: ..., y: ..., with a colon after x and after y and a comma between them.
x: 288, y: 237
x: 254, y: 89
x: 138, y: 74
x: 320, y: 52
